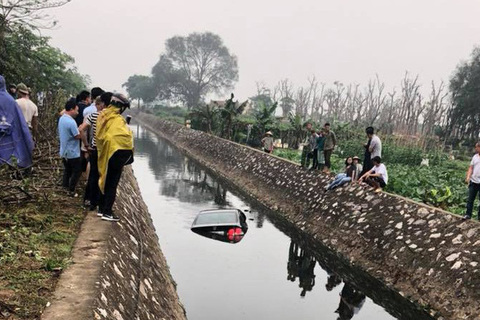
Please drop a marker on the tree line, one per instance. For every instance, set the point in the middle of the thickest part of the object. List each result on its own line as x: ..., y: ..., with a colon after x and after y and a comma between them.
x: 199, y: 64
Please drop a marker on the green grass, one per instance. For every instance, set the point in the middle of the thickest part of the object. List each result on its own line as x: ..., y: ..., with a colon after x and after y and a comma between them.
x: 36, y: 240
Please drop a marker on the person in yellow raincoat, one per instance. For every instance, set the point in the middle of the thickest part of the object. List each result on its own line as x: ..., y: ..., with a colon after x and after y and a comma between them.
x: 115, y: 150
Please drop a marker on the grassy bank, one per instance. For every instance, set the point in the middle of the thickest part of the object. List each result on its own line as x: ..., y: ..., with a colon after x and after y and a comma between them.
x: 38, y: 226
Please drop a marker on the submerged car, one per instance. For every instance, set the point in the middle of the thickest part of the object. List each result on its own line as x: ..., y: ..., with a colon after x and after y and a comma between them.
x: 228, y: 225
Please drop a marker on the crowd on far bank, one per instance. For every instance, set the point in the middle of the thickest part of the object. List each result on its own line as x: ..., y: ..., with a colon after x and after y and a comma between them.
x: 318, y: 147
x: 94, y: 139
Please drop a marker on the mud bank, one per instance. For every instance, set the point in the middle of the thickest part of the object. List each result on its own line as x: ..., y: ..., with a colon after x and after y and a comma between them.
x: 426, y: 254
x: 120, y: 273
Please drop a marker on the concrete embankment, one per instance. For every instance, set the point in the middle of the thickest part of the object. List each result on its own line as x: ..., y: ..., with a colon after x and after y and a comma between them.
x: 118, y: 270
x: 426, y: 254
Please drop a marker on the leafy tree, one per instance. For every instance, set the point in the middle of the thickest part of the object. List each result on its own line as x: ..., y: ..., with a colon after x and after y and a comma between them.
x: 263, y: 98
x: 228, y: 114
x: 193, y: 67
x: 141, y: 88
x: 206, y: 114
x: 265, y: 116
x: 464, y: 117
x: 27, y: 57
x: 287, y: 103
x: 297, y: 127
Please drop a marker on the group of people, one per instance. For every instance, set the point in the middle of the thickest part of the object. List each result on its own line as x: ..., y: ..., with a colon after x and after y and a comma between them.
x: 319, y: 146
x: 92, y: 131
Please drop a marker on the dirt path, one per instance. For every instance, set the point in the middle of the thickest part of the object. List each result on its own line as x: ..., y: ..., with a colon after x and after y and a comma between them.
x: 77, y: 287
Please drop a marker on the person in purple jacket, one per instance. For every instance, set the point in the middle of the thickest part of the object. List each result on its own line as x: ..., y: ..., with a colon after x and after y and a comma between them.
x: 15, y: 138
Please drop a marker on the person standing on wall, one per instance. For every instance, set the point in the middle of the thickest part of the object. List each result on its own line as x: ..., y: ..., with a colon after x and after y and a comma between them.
x: 329, y: 146
x: 305, y: 160
x: 94, y: 94
x: 83, y: 101
x: 92, y: 192
x: 313, y: 148
x: 70, y: 146
x: 115, y: 150
x: 267, y: 142
x: 373, y: 148
x: 29, y: 109
x: 473, y: 181
x: 320, y: 153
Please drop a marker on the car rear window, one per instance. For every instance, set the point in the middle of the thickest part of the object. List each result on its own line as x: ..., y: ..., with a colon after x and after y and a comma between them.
x: 222, y: 217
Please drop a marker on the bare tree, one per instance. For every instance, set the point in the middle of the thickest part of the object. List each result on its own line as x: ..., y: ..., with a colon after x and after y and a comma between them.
x: 302, y: 99
x: 335, y: 100
x: 318, y: 101
x: 28, y: 13
x: 286, y: 95
x: 435, y: 109
x: 374, y: 99
x: 409, y: 102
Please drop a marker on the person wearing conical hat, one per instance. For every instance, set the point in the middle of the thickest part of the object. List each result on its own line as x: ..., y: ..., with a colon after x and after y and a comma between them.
x: 115, y: 150
x: 29, y: 109
x: 267, y: 142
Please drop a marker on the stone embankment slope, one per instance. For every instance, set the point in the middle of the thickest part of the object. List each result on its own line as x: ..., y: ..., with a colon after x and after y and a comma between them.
x: 118, y: 270
x: 426, y: 254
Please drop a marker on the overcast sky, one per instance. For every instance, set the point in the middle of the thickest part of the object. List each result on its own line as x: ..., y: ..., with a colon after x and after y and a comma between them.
x: 345, y: 40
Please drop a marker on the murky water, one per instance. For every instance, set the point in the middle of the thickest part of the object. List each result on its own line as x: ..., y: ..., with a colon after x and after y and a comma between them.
x: 269, y: 274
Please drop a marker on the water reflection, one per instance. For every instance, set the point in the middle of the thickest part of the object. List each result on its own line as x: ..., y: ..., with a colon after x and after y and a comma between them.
x: 351, y: 301
x: 230, y: 236
x: 180, y: 177
x: 301, y: 265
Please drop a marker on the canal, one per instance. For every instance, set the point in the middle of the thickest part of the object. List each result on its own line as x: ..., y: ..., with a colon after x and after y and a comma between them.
x: 272, y: 273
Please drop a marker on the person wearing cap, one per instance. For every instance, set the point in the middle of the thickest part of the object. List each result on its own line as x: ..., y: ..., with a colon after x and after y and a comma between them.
x: 267, y: 142
x: 70, y: 146
x: 115, y: 150
x: 29, y: 109
x: 358, y: 168
x: 92, y: 192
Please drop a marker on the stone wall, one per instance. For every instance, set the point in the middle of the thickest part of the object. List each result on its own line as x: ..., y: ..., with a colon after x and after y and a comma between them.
x: 426, y: 254
x: 135, y: 281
